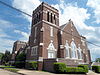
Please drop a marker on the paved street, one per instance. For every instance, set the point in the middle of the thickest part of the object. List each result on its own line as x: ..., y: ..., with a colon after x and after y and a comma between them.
x: 30, y: 72
x: 5, y: 72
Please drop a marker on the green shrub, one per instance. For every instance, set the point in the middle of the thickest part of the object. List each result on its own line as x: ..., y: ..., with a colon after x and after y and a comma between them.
x: 85, y: 67
x: 74, y: 70
x: 59, y: 67
x: 96, y: 69
x: 11, y: 69
x: 32, y: 65
x: 19, y: 64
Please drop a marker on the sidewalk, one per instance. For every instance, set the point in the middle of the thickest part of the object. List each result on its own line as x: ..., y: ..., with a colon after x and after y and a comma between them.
x: 92, y: 73
x: 32, y: 72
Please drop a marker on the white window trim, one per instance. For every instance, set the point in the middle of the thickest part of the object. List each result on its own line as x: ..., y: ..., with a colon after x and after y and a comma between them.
x: 83, y: 41
x: 35, y: 31
x: 67, y: 46
x: 41, y: 44
x: 51, y: 31
x: 80, y: 52
x: 74, y: 50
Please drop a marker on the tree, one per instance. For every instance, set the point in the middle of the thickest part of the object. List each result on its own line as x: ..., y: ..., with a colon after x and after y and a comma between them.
x: 97, y: 60
x: 6, y: 57
x: 21, y: 57
x: 20, y: 60
x: 1, y: 54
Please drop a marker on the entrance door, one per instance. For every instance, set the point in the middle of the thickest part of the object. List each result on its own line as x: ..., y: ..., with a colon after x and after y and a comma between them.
x: 51, y: 55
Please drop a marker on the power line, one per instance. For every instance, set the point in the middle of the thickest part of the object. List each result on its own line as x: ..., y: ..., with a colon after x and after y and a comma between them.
x: 15, y: 8
x: 47, y: 24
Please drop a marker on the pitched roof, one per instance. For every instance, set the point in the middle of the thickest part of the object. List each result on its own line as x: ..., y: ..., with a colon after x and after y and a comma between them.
x: 63, y: 26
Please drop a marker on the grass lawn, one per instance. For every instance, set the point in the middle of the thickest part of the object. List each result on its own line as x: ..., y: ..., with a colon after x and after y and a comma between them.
x: 2, y: 66
x: 11, y: 69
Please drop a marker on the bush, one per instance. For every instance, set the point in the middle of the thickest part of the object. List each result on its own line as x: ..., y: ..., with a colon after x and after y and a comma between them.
x: 85, y: 67
x: 11, y: 69
x: 32, y: 65
x: 60, y: 67
x: 19, y: 64
x: 96, y: 69
x: 74, y: 70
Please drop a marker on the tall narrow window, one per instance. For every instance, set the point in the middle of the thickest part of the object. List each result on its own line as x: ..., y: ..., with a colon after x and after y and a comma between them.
x: 35, y: 19
x: 39, y: 16
x: 73, y: 50
x: 51, y: 31
x: 83, y: 41
x: 35, y: 31
x: 55, y: 19
x: 48, y: 16
x: 51, y: 18
x: 34, y: 50
x: 35, y: 34
x: 79, y: 53
x: 67, y: 49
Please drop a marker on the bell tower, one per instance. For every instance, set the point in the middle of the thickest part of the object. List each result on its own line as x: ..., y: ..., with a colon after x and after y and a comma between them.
x: 43, y: 33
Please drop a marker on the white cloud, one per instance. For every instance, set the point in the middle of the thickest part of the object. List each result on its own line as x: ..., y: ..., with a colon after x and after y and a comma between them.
x: 27, y: 6
x: 25, y: 36
x: 95, y: 4
x: 95, y: 52
x: 5, y: 44
x: 73, y: 12
x: 5, y: 24
x: 2, y: 34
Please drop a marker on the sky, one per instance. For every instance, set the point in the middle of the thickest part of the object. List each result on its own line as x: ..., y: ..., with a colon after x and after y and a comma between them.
x: 85, y: 15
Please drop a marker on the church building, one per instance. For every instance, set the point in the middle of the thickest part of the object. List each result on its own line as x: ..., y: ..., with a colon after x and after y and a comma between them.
x: 50, y: 42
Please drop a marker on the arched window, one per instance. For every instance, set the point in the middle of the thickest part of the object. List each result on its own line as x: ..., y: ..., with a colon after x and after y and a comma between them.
x: 73, y: 50
x: 55, y: 19
x: 48, y: 16
x: 67, y: 49
x: 79, y: 53
x: 39, y: 16
x: 51, y: 18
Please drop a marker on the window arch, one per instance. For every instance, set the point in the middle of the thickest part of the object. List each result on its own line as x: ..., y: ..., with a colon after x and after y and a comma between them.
x: 67, y: 49
x: 73, y: 50
x: 79, y: 53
